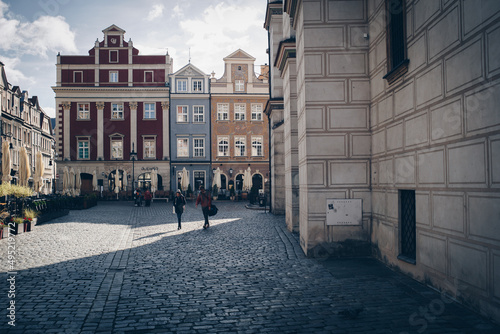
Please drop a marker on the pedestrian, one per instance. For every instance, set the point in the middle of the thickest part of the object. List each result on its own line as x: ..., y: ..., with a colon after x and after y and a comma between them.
x: 206, y: 203
x: 179, y: 206
x: 138, y: 198
x: 147, y: 197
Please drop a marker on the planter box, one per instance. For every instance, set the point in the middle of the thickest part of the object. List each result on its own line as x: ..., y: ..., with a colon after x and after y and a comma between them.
x: 16, y: 228
x: 27, y: 226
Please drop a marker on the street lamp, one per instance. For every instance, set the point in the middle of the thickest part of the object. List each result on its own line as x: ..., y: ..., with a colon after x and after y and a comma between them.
x: 133, y: 156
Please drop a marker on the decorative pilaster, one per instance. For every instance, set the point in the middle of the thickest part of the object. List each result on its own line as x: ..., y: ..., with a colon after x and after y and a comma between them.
x: 66, y: 139
x: 133, y: 124
x: 100, y: 130
x: 165, y: 105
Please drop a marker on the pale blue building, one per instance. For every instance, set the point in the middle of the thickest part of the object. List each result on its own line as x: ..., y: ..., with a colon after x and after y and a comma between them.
x: 190, y: 127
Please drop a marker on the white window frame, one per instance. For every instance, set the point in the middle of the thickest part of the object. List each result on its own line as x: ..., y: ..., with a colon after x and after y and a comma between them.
x: 240, y: 111
x: 240, y: 146
x: 82, y: 112
x: 113, y: 76
x: 184, y: 114
x: 152, y: 76
x: 223, y: 145
x: 74, y: 76
x: 149, y: 113
x: 183, y: 147
x: 119, y: 154
x: 83, y: 146
x: 198, y: 114
x: 197, y: 85
x: 239, y: 85
x: 257, y: 144
x: 198, y: 150
x: 116, y: 113
x: 181, y: 85
x: 149, y: 150
x: 222, y: 111
x: 256, y: 111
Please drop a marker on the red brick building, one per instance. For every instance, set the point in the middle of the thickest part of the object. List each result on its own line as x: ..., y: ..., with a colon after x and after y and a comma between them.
x: 109, y: 103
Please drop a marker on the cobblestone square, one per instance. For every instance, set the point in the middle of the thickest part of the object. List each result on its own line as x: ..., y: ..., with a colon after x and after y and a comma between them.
x: 117, y: 268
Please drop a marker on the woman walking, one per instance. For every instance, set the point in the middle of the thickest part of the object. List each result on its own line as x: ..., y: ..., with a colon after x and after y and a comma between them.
x: 179, y: 205
x: 206, y: 202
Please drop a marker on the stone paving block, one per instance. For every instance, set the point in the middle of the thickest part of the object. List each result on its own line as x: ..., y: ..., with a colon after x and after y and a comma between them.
x: 116, y: 268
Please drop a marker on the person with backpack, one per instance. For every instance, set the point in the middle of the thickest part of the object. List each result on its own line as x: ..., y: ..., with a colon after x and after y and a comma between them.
x: 206, y: 203
x: 179, y: 206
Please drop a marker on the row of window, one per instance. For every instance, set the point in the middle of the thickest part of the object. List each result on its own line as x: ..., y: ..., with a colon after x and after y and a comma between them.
x: 113, y: 76
x: 240, y: 113
x: 182, y: 84
x: 196, y: 85
x: 240, y: 146
x: 116, y: 111
x: 149, y: 147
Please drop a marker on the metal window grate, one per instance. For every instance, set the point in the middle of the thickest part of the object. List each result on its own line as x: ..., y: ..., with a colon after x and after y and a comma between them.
x: 408, y: 224
x: 396, y: 32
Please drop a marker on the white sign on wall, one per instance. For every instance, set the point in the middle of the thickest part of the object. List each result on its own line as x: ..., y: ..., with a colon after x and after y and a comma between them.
x: 344, y: 212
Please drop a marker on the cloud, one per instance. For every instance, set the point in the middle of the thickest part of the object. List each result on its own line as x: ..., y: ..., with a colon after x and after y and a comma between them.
x: 177, y: 12
x: 50, y: 111
x: 155, y: 12
x: 15, y: 76
x: 223, y: 28
x: 45, y: 34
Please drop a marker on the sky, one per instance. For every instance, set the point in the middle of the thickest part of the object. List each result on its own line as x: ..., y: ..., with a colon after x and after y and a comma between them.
x: 32, y: 32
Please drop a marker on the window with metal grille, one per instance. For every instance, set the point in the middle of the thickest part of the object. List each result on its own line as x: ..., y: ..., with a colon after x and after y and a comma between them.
x: 407, y: 226
x: 397, y: 63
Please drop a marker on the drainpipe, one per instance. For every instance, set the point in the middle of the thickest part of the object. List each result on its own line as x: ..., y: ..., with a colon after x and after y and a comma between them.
x: 269, y: 122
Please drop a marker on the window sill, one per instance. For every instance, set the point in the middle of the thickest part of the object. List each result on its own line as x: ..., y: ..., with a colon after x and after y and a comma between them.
x: 397, y: 72
x: 407, y: 259
x: 83, y: 119
x: 149, y: 119
x: 117, y: 119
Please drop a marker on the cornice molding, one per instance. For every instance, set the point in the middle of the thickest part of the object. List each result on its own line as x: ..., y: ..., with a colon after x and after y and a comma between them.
x: 274, y: 8
x: 274, y: 104
x: 286, y: 50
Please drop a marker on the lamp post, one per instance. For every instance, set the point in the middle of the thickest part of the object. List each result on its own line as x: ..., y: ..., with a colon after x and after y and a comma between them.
x: 133, y: 156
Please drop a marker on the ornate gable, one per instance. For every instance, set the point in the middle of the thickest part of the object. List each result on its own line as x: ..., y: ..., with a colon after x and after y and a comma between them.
x: 189, y: 71
x: 239, y: 54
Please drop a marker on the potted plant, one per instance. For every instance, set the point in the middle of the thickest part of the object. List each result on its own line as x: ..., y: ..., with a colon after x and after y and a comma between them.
x: 18, y: 226
x: 231, y: 193
x: 29, y: 219
x: 215, y: 192
x: 189, y: 191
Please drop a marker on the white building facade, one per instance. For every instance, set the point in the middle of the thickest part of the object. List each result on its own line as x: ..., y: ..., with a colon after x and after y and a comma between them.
x: 396, y: 105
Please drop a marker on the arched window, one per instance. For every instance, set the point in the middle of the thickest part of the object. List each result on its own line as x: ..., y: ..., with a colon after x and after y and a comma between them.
x: 223, y: 147
x: 144, y: 181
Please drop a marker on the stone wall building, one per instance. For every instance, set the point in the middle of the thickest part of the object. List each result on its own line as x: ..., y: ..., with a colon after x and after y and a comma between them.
x: 394, y: 103
x: 25, y: 124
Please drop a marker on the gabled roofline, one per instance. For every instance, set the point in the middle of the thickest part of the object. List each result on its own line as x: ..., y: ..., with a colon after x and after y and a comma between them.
x: 231, y: 56
x: 112, y: 28
x: 191, y: 66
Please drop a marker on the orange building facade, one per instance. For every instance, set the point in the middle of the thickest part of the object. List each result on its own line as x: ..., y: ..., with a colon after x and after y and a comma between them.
x: 240, y: 128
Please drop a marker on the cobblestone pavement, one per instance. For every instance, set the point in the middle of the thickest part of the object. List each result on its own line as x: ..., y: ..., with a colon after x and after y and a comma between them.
x: 117, y: 268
